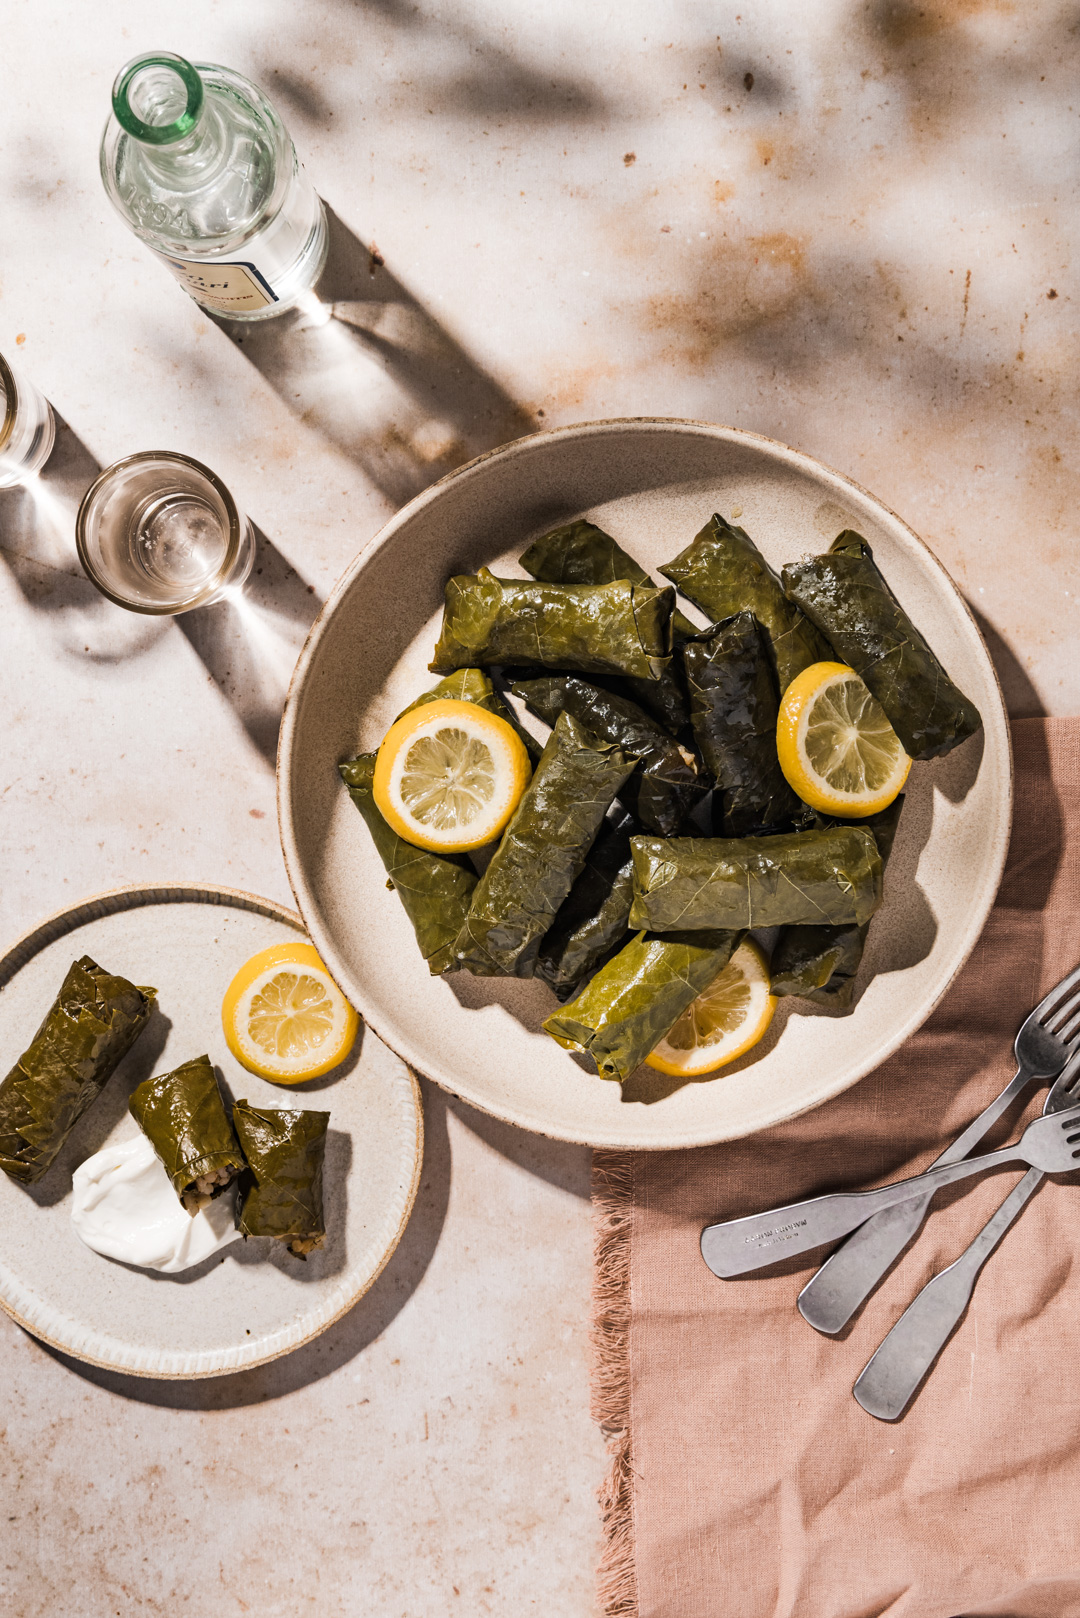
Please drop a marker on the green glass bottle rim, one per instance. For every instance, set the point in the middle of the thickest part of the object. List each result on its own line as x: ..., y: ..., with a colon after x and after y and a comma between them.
x: 158, y: 134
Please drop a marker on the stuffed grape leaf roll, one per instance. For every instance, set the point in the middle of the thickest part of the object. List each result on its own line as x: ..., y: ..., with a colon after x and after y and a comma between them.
x: 680, y: 883
x: 89, y: 1028
x: 184, y: 1118
x: 542, y: 851
x: 845, y: 594
x: 616, y: 628
x: 435, y: 889
x: 590, y: 924
x: 625, y: 1010
x: 665, y: 786
x: 281, y: 1189
x: 820, y: 963
x: 723, y: 572
x: 733, y: 708
x: 581, y: 553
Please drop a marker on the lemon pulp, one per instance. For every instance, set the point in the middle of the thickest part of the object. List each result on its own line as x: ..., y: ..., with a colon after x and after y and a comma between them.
x: 448, y: 780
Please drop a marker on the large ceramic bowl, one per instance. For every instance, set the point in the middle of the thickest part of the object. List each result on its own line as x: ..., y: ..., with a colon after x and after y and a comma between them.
x: 652, y: 484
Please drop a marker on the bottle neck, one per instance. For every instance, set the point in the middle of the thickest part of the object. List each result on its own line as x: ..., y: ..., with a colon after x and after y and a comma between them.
x: 159, y: 99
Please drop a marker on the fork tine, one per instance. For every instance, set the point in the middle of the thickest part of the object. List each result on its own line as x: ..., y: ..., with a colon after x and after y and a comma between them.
x: 1058, y: 1016
x: 1068, y: 1033
x: 1046, y: 1006
x: 1069, y: 981
x: 1060, y: 1012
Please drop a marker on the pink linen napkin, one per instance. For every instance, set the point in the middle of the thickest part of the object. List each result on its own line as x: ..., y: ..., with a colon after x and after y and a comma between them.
x: 746, y: 1482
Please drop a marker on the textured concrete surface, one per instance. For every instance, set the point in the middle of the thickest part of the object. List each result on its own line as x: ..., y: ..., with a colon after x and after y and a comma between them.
x: 846, y: 225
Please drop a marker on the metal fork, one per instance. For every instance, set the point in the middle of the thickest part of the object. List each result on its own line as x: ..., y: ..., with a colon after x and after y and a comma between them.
x: 892, y: 1376
x: 738, y: 1245
x: 847, y: 1278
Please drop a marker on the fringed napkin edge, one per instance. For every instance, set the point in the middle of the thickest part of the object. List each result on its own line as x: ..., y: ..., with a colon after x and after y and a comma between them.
x: 612, y: 1205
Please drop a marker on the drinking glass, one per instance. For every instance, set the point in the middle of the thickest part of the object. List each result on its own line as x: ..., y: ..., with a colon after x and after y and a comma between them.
x: 27, y: 429
x: 160, y: 533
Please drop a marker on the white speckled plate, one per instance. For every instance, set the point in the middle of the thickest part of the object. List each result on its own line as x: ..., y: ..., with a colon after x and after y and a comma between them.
x: 653, y: 485
x: 251, y: 1302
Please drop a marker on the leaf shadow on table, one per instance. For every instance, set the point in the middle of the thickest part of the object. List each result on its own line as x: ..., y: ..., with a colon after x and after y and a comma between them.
x: 342, y: 1341
x: 370, y: 368
x: 249, y: 643
x: 37, y: 544
x: 468, y: 74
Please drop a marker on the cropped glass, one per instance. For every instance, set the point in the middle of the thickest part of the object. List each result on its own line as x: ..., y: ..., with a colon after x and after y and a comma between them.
x: 27, y: 429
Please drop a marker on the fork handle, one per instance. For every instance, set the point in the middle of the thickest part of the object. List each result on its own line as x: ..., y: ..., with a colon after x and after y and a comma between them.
x: 740, y: 1245
x: 847, y: 1278
x: 989, y: 1116
x: 892, y: 1376
x: 832, y: 1295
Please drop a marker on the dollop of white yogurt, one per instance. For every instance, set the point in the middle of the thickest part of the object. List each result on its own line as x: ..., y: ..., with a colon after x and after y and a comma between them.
x: 124, y: 1206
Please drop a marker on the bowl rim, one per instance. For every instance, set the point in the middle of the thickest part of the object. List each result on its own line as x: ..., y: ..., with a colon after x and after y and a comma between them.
x: 306, y: 904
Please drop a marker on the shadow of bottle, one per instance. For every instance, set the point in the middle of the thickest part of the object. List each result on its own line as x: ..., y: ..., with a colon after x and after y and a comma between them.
x: 368, y: 366
x: 249, y: 643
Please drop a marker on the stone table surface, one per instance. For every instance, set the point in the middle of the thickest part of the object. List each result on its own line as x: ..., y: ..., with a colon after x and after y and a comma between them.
x: 845, y: 225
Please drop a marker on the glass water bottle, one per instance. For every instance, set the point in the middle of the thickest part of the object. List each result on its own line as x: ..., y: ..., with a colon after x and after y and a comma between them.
x: 199, y: 165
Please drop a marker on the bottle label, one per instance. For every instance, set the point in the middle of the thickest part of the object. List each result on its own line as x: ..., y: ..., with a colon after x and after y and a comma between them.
x: 230, y: 288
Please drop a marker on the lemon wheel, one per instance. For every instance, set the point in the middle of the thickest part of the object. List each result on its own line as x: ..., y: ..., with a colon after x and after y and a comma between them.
x: 449, y: 775
x: 725, y: 1020
x: 284, y: 1016
x: 835, y: 745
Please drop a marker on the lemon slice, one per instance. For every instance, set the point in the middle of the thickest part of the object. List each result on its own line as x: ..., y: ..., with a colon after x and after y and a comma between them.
x: 284, y: 1016
x: 449, y: 775
x: 835, y: 745
x: 725, y: 1020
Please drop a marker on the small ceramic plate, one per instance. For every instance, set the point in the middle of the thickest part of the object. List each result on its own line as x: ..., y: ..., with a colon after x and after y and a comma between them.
x: 653, y: 485
x: 251, y: 1302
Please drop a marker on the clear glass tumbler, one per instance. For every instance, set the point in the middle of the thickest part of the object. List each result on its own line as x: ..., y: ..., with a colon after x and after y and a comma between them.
x: 160, y: 533
x: 27, y: 429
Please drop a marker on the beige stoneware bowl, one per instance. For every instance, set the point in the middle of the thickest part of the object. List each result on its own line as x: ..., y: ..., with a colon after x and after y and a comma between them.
x: 652, y: 484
